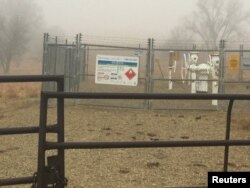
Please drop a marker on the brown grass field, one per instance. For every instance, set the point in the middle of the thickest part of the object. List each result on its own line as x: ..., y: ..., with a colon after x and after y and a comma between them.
x: 125, y: 168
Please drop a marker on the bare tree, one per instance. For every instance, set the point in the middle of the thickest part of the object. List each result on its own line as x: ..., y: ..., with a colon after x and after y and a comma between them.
x: 214, y: 20
x: 179, y: 38
x: 18, y: 18
x: 180, y: 33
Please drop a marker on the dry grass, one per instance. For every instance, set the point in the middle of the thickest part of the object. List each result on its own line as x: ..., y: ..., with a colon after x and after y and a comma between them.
x: 241, y: 119
x: 22, y: 90
x: 17, y: 90
x: 26, y: 65
x: 244, y: 123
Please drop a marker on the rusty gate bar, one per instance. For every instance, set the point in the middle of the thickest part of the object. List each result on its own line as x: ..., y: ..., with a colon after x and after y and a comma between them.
x: 32, y: 78
x: 190, y: 187
x: 43, y: 145
x: 228, y: 127
x: 16, y: 181
x: 59, y: 79
x: 144, y: 144
x: 60, y: 135
x: 150, y: 96
x: 26, y: 130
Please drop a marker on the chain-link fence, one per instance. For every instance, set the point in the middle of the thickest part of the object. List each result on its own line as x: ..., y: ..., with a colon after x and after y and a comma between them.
x: 159, y: 70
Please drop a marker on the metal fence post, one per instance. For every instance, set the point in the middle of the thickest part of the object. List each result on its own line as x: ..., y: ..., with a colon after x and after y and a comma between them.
x: 228, y: 127
x: 41, y: 143
x: 152, y: 66
x: 45, y: 52
x: 222, y: 66
x: 55, y: 61
x: 148, y: 73
x: 241, y: 57
x: 45, y: 58
x: 78, y: 62
x: 66, y: 63
x: 84, y: 63
x: 60, y: 134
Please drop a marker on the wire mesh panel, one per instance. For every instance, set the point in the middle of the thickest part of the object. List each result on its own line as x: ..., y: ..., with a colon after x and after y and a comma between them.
x: 171, y: 73
x: 77, y: 61
x: 164, y: 67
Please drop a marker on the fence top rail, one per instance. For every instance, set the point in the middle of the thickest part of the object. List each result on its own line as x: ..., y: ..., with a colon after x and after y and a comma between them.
x: 198, y: 50
x: 31, y: 78
x: 115, y: 46
x: 152, y: 96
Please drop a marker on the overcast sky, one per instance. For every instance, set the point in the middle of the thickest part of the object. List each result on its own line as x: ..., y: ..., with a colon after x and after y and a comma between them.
x: 122, y: 18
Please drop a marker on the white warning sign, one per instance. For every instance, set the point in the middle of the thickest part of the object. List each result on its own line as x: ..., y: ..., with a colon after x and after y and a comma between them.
x: 117, y: 70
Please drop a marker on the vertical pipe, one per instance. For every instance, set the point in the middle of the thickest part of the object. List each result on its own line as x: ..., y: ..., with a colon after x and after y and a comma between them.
x: 55, y: 61
x: 147, y: 81
x: 60, y: 135
x: 44, y: 61
x: 152, y: 66
x: 87, y: 61
x: 50, y: 66
x: 45, y: 58
x: 84, y: 63
x: 241, y: 57
x: 151, y: 70
x: 78, y: 67
x: 69, y: 79
x: 66, y: 65
x: 44, y: 52
x: 75, y: 64
x: 41, y: 142
x: 221, y: 66
x: 228, y: 127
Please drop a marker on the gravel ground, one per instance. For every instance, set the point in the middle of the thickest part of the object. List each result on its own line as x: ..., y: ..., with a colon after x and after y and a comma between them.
x: 128, y: 168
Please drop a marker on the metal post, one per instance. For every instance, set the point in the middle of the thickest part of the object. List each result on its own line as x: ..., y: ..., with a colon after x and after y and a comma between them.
x: 87, y: 61
x: 55, y: 62
x: 228, y: 127
x: 148, y: 73
x: 152, y: 66
x: 44, y: 52
x: 241, y: 57
x: 221, y: 66
x: 66, y: 64
x: 75, y: 62
x: 45, y: 57
x: 60, y: 135
x: 78, y: 64
x: 70, y: 64
x: 151, y: 69
x: 41, y: 143
x: 84, y: 63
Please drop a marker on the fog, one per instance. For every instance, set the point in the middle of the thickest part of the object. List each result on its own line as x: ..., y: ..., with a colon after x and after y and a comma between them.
x: 123, y: 18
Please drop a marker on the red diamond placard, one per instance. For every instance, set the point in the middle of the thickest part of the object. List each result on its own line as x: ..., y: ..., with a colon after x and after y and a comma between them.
x: 130, y: 74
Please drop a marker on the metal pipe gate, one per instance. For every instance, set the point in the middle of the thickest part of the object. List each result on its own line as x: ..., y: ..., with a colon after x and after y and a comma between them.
x: 53, y: 174
x: 60, y: 182
x: 59, y: 80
